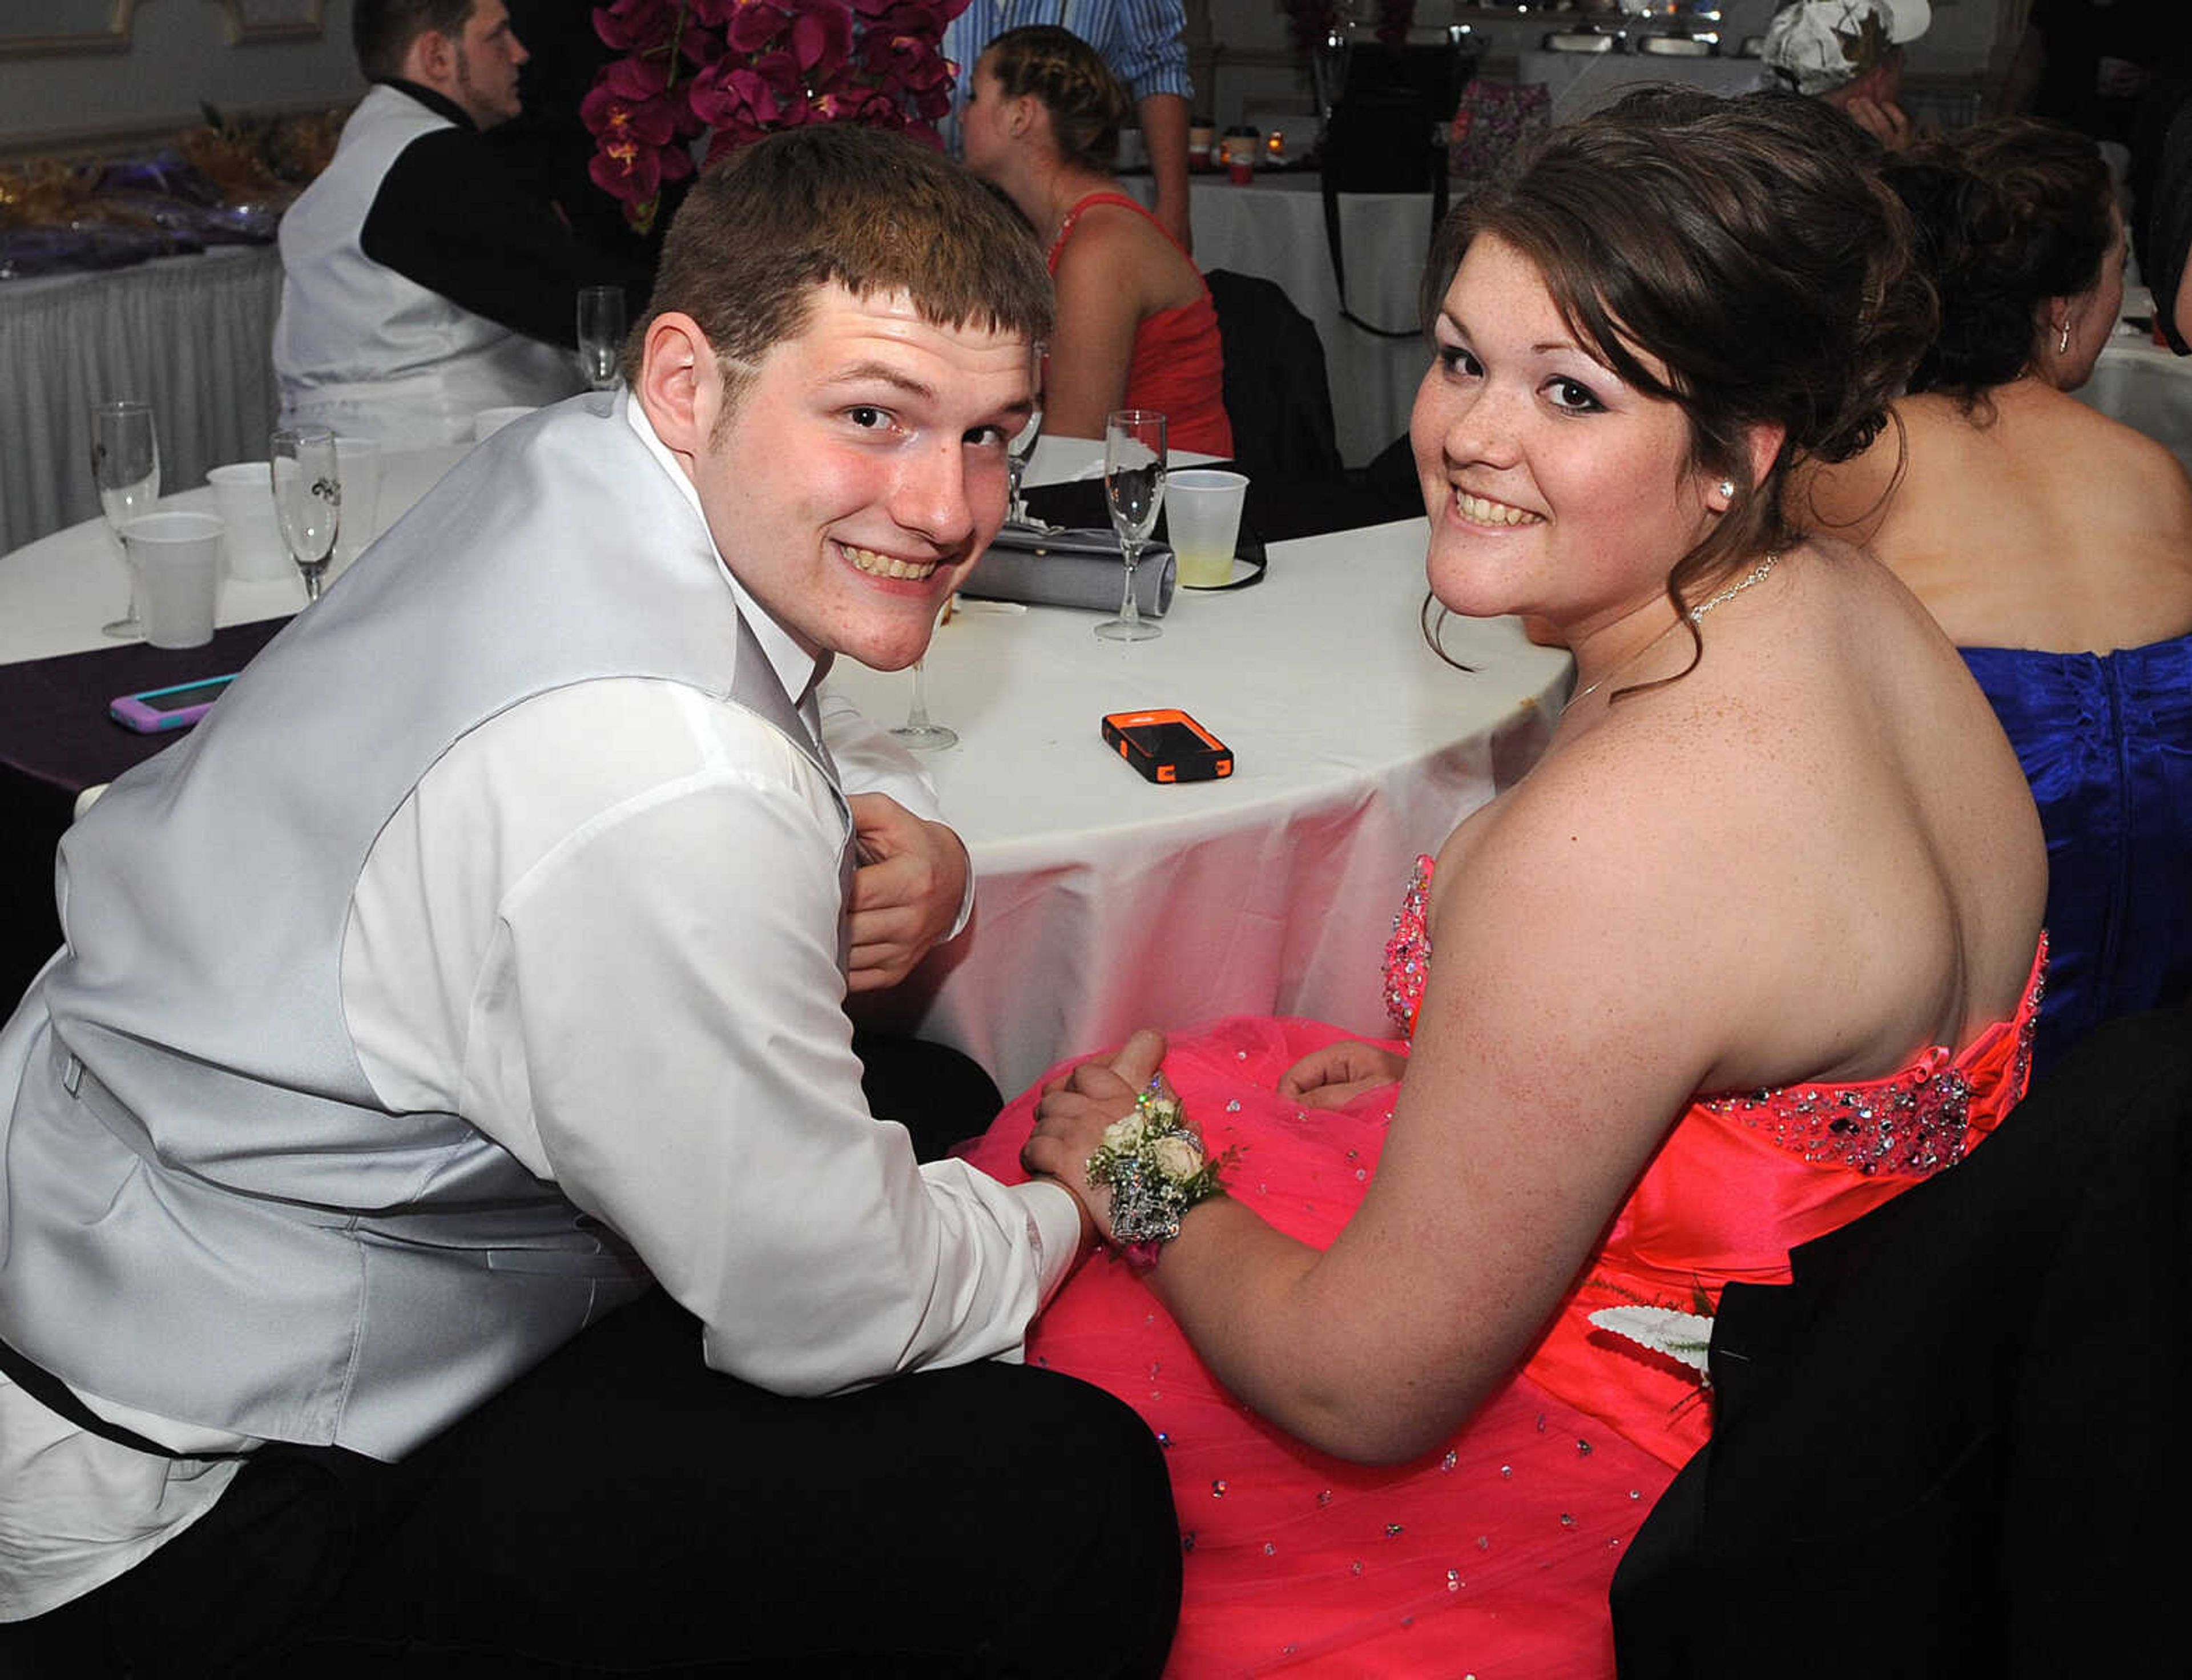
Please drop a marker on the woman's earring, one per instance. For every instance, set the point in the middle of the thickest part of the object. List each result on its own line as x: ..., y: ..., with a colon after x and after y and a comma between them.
x: 1728, y: 489
x: 2062, y: 344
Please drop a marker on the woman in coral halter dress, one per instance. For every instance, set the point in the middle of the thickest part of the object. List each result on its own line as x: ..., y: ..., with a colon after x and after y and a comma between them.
x: 1752, y: 949
x: 1136, y: 327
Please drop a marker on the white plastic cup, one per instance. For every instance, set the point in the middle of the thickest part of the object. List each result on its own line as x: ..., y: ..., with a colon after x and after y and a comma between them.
x: 252, y: 541
x: 358, y: 461
x: 177, y: 559
x: 489, y: 421
x: 1202, y: 518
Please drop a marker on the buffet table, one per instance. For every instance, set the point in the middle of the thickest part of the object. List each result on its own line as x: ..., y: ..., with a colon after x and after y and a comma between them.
x: 190, y: 334
x: 1105, y: 902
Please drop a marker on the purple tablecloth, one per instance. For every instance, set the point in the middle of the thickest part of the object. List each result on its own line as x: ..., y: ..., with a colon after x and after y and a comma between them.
x: 55, y: 740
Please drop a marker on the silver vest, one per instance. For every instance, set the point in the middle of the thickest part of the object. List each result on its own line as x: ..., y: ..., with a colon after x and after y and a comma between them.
x: 205, y: 1213
x: 359, y: 347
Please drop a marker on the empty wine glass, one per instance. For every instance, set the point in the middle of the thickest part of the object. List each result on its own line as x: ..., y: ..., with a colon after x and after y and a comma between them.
x: 1134, y: 486
x: 919, y: 731
x: 125, y: 466
x: 307, y: 498
x: 1022, y: 447
x: 601, y: 334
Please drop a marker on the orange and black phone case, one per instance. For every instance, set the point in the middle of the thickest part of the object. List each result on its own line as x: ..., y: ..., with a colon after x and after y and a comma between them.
x: 1168, y: 746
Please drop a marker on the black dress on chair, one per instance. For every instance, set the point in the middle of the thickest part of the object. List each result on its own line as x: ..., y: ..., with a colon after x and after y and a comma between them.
x: 1954, y: 1445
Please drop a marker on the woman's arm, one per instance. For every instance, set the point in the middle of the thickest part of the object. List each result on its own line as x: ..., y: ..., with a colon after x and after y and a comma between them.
x: 1580, y: 993
x: 1103, y: 282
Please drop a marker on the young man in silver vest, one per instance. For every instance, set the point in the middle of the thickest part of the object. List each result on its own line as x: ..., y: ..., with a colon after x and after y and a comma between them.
x: 424, y: 278
x: 481, y: 960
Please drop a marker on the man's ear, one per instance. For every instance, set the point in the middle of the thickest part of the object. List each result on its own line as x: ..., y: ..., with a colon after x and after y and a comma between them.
x: 432, y: 60
x: 681, y: 385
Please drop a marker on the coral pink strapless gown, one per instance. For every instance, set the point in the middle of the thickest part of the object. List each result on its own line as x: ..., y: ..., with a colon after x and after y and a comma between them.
x: 1491, y: 1556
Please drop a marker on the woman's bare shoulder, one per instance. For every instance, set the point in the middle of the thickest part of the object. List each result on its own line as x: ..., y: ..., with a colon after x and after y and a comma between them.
x: 1109, y: 231
x: 1115, y: 245
x: 2141, y: 465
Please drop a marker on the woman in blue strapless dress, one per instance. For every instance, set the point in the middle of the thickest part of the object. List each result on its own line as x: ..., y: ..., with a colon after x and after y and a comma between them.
x: 2054, y: 547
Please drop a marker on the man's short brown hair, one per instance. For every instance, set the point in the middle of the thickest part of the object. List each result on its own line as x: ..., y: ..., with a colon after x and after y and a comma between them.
x: 382, y: 30
x: 839, y: 203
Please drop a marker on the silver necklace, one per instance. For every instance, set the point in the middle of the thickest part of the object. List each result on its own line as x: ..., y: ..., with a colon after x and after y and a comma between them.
x: 1757, y: 573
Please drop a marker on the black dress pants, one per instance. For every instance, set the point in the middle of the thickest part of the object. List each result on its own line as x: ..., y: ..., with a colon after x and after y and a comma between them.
x: 623, y: 1509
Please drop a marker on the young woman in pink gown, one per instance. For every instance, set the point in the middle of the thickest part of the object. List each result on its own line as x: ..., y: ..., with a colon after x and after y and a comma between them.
x: 1753, y: 948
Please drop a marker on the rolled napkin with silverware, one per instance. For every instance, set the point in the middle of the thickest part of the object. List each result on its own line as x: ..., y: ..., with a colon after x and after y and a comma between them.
x: 1082, y: 569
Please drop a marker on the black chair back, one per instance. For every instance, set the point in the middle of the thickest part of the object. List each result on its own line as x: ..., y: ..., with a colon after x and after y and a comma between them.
x: 1952, y: 1445
x: 1276, y: 392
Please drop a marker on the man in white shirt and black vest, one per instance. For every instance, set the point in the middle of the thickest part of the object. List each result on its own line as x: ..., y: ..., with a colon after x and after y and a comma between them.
x: 424, y: 278
x: 441, y: 1228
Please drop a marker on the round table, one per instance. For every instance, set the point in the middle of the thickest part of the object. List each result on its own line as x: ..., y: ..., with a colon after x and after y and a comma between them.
x: 1274, y: 228
x: 55, y: 593
x: 1104, y: 902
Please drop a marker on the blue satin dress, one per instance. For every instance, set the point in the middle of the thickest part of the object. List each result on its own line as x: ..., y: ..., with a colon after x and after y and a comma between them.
x: 2106, y: 742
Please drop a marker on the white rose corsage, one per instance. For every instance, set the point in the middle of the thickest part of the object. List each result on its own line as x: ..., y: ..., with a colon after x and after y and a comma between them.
x: 1152, y: 1163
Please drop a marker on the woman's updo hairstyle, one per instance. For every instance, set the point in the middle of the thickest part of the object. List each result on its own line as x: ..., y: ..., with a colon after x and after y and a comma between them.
x: 1746, y: 245
x: 1068, y: 77
x: 2010, y: 214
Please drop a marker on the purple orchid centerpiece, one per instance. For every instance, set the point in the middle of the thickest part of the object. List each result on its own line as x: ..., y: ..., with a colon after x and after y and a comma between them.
x: 736, y: 69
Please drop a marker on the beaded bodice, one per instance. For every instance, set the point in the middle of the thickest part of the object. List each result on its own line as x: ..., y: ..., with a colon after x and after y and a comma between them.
x: 1740, y: 1178
x: 1915, y: 1120
x: 1408, y: 952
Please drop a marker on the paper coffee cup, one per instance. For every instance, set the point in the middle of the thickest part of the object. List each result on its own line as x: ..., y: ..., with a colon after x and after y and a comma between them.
x: 357, y: 459
x: 1202, y: 521
x: 243, y: 491
x: 177, y: 560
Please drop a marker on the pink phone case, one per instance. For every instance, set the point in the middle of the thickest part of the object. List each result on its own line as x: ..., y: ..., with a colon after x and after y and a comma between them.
x: 137, y: 711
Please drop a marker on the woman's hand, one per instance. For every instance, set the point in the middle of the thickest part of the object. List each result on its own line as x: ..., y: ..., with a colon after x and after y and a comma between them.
x: 1336, y: 1075
x: 1074, y: 1110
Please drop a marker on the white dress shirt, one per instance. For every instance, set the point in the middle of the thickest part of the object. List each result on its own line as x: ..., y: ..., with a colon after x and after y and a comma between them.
x: 604, y: 929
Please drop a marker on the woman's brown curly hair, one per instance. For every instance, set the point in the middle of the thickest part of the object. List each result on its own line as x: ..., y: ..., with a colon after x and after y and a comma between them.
x: 1085, y: 103
x: 1749, y: 247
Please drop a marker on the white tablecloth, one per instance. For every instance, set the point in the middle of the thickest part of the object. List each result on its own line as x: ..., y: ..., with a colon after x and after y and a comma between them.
x: 1275, y: 228
x: 190, y: 334
x: 55, y: 593
x: 2149, y: 388
x: 1106, y: 902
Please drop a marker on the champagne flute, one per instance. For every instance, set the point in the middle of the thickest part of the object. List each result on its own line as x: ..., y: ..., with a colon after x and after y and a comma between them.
x: 307, y: 498
x: 125, y: 466
x: 919, y: 731
x: 1021, y: 449
x: 1134, y: 486
x: 601, y: 334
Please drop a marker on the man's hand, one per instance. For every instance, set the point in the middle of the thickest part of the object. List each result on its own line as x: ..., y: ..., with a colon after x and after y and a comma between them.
x: 1885, y: 121
x: 1075, y: 1109
x: 906, y: 892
